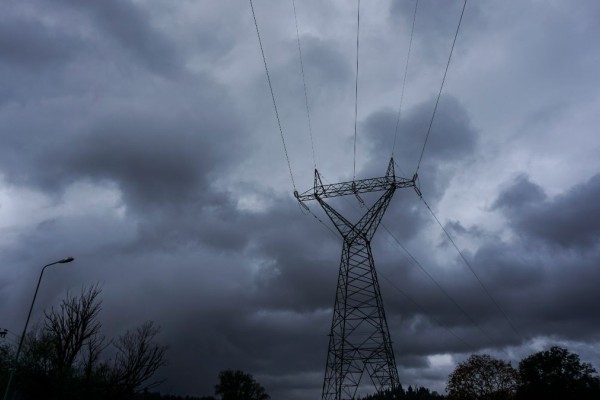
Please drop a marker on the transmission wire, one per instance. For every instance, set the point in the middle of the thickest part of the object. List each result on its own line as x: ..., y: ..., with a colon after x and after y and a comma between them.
x: 273, y: 97
x: 335, y: 233
x: 405, y: 74
x: 483, y: 286
x: 441, y: 87
x: 485, y: 289
x: 392, y: 284
x: 415, y: 262
x: 356, y: 86
x: 312, y: 144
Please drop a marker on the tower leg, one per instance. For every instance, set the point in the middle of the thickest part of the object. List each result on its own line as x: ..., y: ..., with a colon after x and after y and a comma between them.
x: 359, y: 341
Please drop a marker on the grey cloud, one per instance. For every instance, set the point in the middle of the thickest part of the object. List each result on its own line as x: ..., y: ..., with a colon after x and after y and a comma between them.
x: 30, y: 44
x: 129, y: 25
x: 543, y: 289
x: 156, y: 157
x: 433, y: 17
x: 521, y: 193
x: 569, y: 219
x: 253, y: 288
x: 452, y: 138
x: 435, y: 25
x: 325, y: 65
x: 33, y: 56
x: 457, y: 228
x: 148, y: 165
x: 447, y: 147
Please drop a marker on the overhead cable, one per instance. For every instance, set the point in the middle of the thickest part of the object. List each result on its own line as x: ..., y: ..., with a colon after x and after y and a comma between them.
x: 312, y: 144
x: 356, y: 87
x: 441, y: 87
x: 412, y: 30
x: 415, y: 262
x: 273, y: 97
x: 468, y: 264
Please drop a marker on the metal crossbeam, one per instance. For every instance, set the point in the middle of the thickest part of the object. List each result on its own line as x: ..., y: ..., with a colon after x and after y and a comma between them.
x: 356, y: 187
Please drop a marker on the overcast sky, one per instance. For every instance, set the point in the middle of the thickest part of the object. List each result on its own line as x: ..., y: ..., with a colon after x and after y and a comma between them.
x: 139, y: 137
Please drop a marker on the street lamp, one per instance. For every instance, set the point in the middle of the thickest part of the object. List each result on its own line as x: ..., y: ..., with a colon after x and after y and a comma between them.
x: 12, y: 372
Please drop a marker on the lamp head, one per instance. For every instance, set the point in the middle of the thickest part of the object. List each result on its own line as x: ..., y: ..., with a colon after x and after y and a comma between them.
x: 66, y: 260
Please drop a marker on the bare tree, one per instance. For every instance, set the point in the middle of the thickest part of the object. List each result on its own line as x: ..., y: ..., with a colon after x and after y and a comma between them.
x: 72, y: 326
x: 482, y: 377
x: 137, y: 358
x: 90, y: 358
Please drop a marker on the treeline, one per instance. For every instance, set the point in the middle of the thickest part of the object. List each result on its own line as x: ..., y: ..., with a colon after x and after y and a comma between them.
x: 551, y: 374
x: 231, y: 385
x: 554, y: 374
x: 418, y: 393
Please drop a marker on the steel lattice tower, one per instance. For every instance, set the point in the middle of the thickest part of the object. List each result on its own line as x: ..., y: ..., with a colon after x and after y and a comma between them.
x: 359, y: 340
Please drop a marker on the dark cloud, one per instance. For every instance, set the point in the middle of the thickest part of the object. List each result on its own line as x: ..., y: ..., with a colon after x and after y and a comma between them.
x: 140, y: 139
x: 453, y: 145
x: 452, y: 139
x: 156, y: 157
x: 325, y: 65
x: 435, y: 25
x: 522, y: 193
x: 569, y: 219
x: 32, y: 45
x: 145, y: 161
x: 130, y: 27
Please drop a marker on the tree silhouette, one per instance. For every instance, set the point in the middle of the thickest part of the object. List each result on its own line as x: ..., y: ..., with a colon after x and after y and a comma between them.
x: 237, y: 385
x: 482, y: 377
x: 137, y: 359
x: 557, y: 374
x: 72, y: 326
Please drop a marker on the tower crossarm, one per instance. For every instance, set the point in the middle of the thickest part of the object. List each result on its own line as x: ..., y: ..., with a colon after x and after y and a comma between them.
x: 390, y: 180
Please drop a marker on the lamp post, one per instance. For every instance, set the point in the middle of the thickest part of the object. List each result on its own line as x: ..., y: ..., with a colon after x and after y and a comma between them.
x: 12, y: 372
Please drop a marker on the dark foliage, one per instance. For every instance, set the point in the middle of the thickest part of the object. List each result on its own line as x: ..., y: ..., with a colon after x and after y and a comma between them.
x: 157, y: 396
x: 238, y: 385
x: 419, y: 393
x: 557, y: 374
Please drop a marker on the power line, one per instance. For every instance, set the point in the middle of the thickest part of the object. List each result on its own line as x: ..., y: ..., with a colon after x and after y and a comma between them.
x: 437, y: 321
x: 405, y: 74
x: 356, y: 86
x: 488, y: 293
x: 273, y: 97
x: 485, y: 289
x: 415, y: 262
x: 312, y: 144
x: 305, y: 207
x: 441, y: 87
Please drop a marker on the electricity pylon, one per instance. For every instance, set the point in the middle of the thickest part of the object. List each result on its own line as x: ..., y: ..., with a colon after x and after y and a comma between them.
x: 359, y: 341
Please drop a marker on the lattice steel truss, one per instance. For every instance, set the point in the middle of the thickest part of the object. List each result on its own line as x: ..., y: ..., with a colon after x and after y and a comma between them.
x: 359, y: 341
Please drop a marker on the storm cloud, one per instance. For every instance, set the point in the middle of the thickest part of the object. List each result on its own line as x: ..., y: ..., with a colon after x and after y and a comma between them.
x: 140, y: 138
